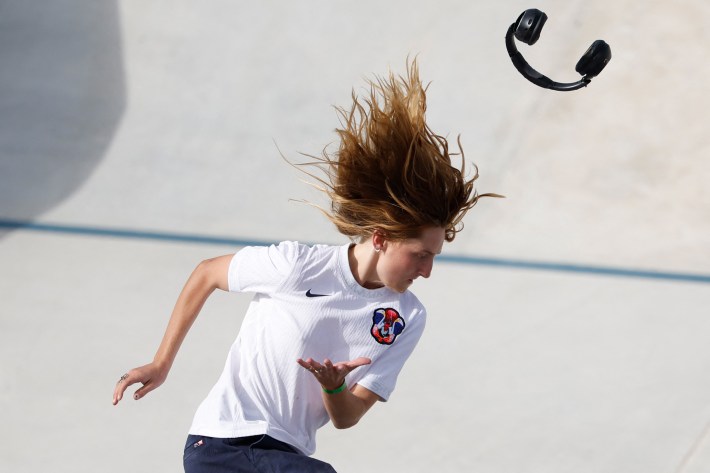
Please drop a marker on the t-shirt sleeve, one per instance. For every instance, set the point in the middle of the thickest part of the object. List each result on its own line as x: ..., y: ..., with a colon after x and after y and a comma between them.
x: 381, y: 377
x: 262, y: 268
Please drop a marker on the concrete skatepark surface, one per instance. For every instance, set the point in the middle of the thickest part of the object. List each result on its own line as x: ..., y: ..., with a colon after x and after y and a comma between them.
x: 567, y: 324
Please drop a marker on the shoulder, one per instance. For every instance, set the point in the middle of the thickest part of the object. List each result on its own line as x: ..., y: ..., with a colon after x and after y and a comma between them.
x: 277, y: 253
x: 411, y: 309
x: 412, y: 302
x: 417, y: 311
x: 286, y: 255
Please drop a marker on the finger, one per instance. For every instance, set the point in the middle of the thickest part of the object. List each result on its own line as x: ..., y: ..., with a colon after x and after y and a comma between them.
x: 117, y: 395
x: 121, y: 385
x: 310, y: 365
x: 361, y: 361
x: 145, y: 389
x: 307, y: 364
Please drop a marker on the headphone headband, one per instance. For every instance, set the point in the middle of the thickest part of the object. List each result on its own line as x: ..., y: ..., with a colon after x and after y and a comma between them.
x: 527, y: 29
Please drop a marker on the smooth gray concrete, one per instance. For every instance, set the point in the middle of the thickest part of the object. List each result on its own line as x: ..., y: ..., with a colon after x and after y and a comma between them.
x: 169, y: 117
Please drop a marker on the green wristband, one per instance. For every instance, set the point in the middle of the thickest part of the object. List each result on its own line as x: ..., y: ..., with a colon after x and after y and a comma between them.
x: 336, y: 390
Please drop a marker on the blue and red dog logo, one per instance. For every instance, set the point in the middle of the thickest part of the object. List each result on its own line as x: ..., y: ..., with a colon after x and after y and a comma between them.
x: 386, y: 325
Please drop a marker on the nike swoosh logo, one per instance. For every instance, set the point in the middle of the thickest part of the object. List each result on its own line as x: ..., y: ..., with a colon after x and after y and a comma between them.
x: 311, y: 294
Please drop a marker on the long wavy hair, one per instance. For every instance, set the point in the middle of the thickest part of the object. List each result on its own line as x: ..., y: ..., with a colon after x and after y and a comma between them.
x: 391, y: 173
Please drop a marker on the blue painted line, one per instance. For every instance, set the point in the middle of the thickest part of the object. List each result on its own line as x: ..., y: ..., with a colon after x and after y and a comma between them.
x: 237, y: 242
x: 130, y: 234
x: 578, y: 268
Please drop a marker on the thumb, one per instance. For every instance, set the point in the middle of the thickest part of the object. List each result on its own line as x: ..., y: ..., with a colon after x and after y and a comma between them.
x: 360, y: 361
x: 145, y: 389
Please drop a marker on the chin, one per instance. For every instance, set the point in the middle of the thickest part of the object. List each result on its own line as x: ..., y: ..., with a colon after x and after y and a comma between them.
x: 403, y: 288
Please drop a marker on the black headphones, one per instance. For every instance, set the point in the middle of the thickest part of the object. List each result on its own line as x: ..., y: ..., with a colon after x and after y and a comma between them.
x: 527, y: 29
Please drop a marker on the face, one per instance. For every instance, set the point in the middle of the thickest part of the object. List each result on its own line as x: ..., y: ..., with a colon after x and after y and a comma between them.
x: 401, y: 262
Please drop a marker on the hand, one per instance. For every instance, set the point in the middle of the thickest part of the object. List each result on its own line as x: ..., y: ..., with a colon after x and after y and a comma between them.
x: 329, y: 375
x: 150, y: 375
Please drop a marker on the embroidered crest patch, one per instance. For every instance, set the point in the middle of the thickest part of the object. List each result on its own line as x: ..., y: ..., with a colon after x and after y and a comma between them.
x: 386, y: 325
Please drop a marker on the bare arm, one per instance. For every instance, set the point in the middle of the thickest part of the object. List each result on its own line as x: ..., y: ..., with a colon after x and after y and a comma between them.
x: 345, y: 408
x: 209, y: 275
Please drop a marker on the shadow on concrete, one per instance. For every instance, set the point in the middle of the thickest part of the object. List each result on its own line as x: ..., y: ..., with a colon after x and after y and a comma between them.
x: 62, y: 95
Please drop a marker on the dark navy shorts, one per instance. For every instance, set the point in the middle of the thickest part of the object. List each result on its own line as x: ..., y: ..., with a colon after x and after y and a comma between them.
x: 256, y: 454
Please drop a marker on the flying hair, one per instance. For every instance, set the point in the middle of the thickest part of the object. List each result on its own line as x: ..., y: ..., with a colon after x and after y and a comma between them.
x: 391, y: 173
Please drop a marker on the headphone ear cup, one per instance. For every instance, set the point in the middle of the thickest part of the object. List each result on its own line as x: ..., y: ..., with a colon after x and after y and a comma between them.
x: 594, y: 59
x: 529, y: 25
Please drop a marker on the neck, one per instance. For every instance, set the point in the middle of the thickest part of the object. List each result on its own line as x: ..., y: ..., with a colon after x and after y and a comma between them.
x: 363, y: 264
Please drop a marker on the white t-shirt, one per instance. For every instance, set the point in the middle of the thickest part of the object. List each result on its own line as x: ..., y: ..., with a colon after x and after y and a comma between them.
x: 307, y: 305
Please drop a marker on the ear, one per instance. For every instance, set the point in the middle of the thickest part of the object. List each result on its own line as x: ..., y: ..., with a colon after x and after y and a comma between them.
x: 379, y: 240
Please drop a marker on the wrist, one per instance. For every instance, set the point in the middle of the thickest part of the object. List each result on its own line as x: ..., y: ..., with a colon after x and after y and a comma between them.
x: 162, y: 364
x: 340, y: 388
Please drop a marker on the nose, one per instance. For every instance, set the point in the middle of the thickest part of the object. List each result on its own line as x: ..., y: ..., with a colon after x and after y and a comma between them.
x: 425, y: 269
